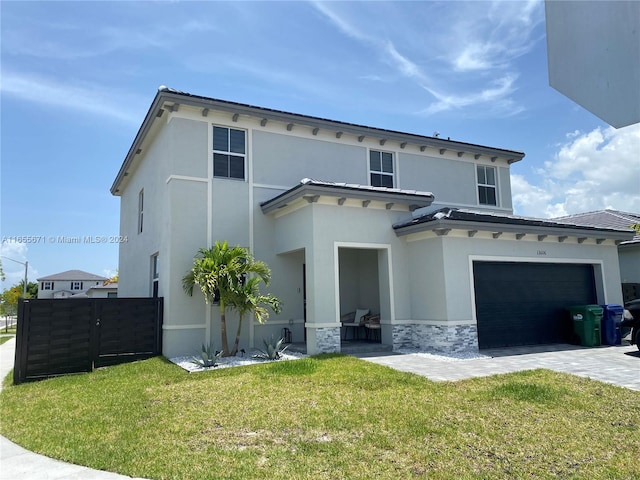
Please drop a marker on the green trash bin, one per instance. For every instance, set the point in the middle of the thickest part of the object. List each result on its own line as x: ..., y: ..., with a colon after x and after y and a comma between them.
x: 586, y: 321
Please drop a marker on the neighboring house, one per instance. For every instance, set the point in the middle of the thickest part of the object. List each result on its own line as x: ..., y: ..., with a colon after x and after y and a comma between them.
x: 68, y: 284
x: 629, y: 251
x: 106, y: 290
x: 415, y: 228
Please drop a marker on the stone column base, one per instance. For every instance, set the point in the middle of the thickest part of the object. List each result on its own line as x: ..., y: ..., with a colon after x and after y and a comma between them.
x: 436, y: 338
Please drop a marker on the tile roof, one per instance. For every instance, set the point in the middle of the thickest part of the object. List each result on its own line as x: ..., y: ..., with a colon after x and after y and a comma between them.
x: 608, y: 218
x: 72, y: 275
x: 309, y: 186
x: 603, y: 218
x: 445, y: 215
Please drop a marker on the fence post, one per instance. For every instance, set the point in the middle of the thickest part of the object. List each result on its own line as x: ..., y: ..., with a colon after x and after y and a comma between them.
x: 159, y: 322
x: 22, y: 327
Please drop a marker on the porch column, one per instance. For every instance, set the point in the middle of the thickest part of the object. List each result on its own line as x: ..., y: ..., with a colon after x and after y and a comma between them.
x: 323, y: 322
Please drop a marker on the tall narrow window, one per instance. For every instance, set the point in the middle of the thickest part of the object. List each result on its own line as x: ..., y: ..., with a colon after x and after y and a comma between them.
x: 229, y: 152
x: 140, y: 210
x: 381, y: 169
x: 155, y: 275
x: 487, y: 190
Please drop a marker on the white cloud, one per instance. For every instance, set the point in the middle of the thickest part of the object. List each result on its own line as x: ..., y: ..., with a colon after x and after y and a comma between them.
x: 591, y: 171
x: 490, y: 38
x: 95, y: 99
x: 496, y: 95
x: 473, y: 43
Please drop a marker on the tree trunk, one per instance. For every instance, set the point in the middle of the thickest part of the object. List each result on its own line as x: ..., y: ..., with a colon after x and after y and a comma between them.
x: 234, y: 352
x: 223, y: 331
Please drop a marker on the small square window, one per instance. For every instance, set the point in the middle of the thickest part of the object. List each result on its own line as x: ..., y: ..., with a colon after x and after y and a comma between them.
x: 76, y: 285
x: 229, y: 152
x: 381, y: 169
x: 487, y: 187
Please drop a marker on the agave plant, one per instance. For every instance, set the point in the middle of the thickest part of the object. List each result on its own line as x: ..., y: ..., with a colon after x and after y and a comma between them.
x: 272, y: 350
x: 208, y: 357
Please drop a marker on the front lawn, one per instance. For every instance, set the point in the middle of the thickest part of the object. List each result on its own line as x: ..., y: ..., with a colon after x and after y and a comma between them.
x: 6, y: 338
x: 326, y: 417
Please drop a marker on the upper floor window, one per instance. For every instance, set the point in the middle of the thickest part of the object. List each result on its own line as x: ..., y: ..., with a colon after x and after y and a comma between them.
x: 140, y: 210
x: 47, y: 285
x: 229, y: 152
x: 381, y: 168
x: 76, y: 285
x: 487, y: 190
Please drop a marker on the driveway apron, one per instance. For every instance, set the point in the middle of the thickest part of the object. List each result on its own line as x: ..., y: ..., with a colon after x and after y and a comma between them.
x: 618, y: 365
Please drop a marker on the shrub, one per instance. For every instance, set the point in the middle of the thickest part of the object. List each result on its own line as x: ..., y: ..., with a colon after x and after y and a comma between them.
x: 208, y: 357
x: 273, y: 350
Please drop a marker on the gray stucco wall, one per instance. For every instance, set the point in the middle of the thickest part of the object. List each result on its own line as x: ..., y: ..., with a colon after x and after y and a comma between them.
x: 286, y: 159
x: 630, y: 263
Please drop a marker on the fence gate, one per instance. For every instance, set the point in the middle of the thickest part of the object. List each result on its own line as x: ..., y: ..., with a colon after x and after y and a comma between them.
x: 57, y: 337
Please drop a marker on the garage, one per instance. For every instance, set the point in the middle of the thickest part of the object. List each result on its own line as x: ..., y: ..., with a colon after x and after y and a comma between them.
x: 520, y: 303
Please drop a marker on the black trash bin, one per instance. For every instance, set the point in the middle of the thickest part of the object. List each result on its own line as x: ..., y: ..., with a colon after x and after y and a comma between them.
x: 611, y: 319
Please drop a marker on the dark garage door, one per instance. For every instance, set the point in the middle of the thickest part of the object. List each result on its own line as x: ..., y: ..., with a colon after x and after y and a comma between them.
x: 524, y: 303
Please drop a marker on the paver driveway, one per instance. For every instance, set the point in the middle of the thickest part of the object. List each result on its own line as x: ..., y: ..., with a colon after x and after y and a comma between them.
x: 619, y: 365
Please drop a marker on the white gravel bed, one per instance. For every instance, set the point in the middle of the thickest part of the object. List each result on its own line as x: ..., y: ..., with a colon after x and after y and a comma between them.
x: 227, y: 362
x: 450, y: 357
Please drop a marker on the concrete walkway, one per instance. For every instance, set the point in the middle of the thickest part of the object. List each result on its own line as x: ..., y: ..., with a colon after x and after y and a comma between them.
x: 619, y: 365
x: 16, y: 463
x: 616, y: 365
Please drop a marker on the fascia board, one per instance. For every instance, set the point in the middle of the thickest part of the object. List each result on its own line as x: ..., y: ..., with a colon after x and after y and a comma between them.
x: 155, y: 107
x: 510, y: 228
x: 338, y: 192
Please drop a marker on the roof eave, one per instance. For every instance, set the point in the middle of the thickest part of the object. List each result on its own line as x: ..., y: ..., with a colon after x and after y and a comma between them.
x: 495, y: 227
x: 152, y: 113
x: 310, y: 190
x: 167, y: 95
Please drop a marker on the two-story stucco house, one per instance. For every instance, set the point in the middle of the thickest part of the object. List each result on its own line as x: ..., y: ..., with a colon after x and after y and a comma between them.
x: 68, y: 284
x: 415, y: 228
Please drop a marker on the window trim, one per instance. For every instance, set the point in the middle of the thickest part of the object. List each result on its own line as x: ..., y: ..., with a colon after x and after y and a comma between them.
x: 155, y: 275
x: 381, y: 172
x: 229, y: 153
x: 480, y: 185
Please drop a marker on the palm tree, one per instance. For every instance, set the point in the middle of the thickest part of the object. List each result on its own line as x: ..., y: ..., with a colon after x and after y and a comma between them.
x: 221, y: 272
x: 249, y: 300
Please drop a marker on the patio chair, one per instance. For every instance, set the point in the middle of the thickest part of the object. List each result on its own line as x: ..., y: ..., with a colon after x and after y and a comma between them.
x: 355, y: 320
x: 372, y: 328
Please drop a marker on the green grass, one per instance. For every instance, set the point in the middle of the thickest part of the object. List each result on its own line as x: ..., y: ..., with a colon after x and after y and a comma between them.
x: 326, y: 417
x: 9, y: 331
x: 5, y: 339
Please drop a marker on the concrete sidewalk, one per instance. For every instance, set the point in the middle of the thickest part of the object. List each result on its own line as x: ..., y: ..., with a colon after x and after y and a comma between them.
x: 16, y: 463
x: 618, y: 365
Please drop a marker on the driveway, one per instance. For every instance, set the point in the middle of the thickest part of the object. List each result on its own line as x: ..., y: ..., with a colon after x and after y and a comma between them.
x: 618, y: 365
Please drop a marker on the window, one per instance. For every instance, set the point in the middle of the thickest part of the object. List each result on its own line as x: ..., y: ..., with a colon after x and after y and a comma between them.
x: 381, y: 169
x: 47, y: 285
x: 112, y: 294
x: 76, y: 285
x: 140, y: 210
x: 228, y: 152
x: 155, y: 275
x: 487, y: 191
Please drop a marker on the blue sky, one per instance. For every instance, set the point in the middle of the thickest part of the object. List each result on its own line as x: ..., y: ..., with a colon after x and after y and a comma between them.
x: 78, y: 78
